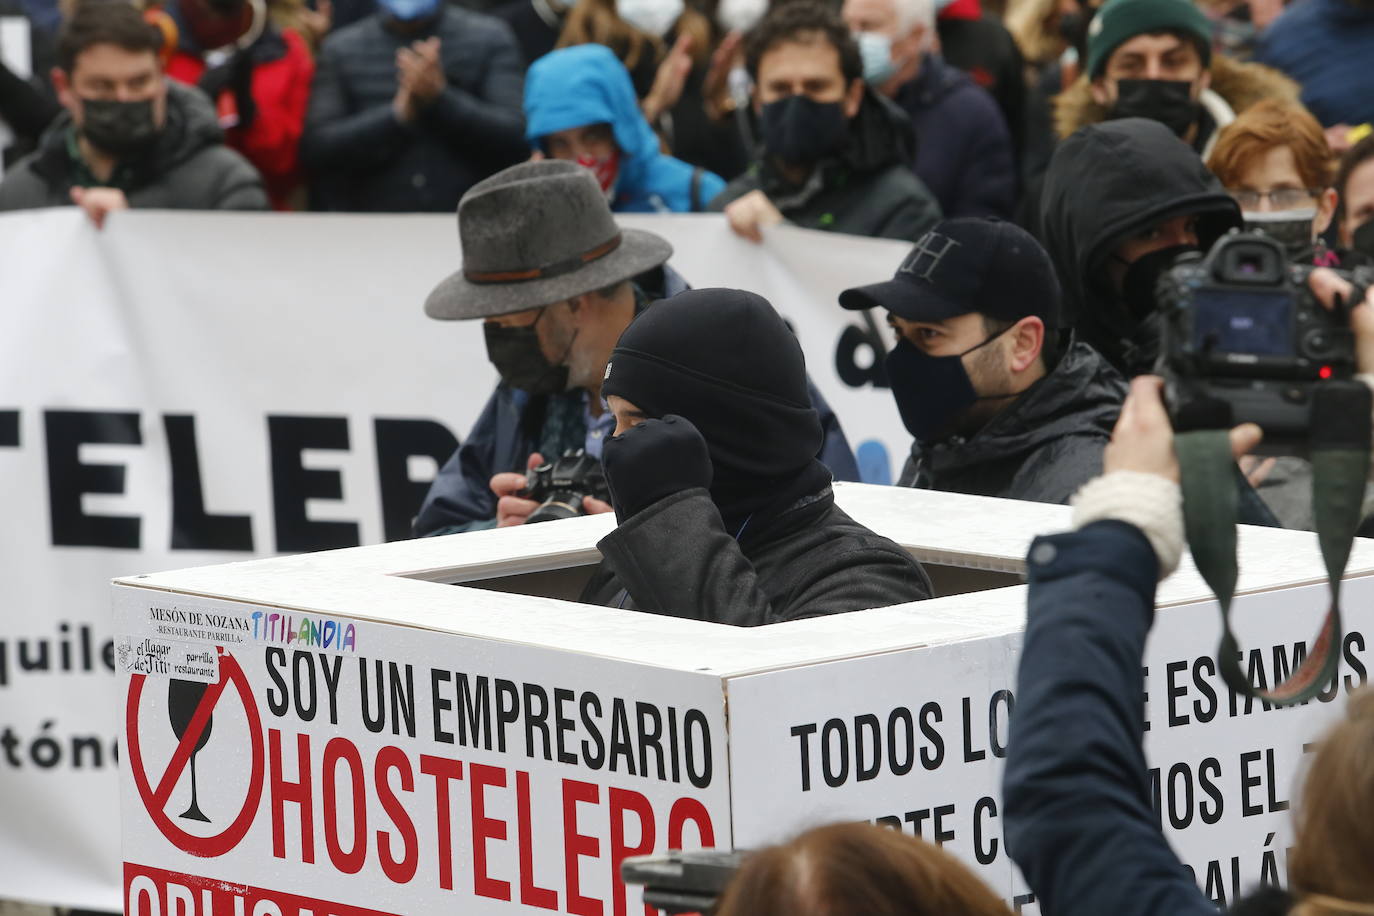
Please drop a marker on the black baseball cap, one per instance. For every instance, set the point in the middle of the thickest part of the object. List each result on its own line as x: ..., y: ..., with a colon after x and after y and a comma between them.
x: 965, y: 265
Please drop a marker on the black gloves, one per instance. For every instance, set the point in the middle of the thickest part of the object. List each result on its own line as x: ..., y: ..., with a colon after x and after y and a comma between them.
x: 654, y: 460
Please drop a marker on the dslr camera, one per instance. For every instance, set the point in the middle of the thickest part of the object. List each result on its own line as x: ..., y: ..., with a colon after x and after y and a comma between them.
x: 1244, y: 340
x: 558, y: 486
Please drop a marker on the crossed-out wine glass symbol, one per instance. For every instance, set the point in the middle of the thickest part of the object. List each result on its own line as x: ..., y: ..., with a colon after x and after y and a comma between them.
x: 183, y: 697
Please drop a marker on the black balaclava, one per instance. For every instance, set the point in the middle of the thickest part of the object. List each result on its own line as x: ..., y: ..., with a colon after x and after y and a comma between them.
x: 724, y: 359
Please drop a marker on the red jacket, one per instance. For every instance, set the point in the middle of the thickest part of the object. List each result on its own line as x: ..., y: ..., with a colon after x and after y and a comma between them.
x: 281, y: 90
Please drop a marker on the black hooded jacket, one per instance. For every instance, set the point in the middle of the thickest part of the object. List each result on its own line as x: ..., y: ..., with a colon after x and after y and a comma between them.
x: 1105, y: 183
x: 190, y: 168
x: 1041, y: 448
x: 867, y: 189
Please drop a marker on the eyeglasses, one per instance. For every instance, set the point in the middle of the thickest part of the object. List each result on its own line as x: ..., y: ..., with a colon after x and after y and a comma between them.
x: 1279, y: 199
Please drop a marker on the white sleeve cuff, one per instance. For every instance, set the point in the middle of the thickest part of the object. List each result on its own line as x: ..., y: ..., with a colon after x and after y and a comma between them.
x: 1152, y: 503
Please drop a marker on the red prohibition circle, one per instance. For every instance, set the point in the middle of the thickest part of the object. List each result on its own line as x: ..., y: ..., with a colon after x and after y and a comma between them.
x: 155, y: 798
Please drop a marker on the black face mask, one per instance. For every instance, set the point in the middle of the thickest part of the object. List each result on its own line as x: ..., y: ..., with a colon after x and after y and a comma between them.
x: 1169, y: 102
x: 1142, y: 278
x: 125, y: 130
x: 932, y: 392
x: 517, y: 356
x: 1290, y: 228
x: 1363, y: 239
x: 801, y: 131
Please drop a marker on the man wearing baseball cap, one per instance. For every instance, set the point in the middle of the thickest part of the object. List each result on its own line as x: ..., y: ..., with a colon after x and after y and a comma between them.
x: 1153, y: 59
x: 554, y: 280
x: 998, y: 402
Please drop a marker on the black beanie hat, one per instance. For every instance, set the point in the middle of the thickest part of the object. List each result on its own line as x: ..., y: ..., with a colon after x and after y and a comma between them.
x: 724, y: 359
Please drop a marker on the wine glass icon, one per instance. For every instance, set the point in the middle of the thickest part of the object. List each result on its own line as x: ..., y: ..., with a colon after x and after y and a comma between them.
x: 183, y: 697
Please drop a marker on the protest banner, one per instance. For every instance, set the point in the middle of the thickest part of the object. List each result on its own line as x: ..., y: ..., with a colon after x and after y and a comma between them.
x: 916, y: 741
x: 191, y: 388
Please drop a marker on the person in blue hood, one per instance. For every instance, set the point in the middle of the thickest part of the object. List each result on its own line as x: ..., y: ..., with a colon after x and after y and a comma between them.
x: 581, y: 106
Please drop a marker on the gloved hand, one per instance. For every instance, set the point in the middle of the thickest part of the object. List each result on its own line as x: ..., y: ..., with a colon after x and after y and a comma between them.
x: 654, y: 460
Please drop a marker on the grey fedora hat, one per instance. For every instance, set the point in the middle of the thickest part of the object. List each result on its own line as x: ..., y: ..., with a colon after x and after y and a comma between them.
x: 535, y: 234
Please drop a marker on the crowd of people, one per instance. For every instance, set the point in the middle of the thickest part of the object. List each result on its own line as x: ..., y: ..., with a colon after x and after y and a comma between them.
x: 1048, y: 160
x: 875, y: 117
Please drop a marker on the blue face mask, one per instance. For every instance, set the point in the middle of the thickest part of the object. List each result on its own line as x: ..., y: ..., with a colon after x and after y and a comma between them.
x: 876, y: 51
x: 409, y: 10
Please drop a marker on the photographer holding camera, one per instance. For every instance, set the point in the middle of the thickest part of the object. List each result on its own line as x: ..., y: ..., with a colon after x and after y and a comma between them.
x: 555, y: 281
x: 1079, y: 819
x: 725, y: 513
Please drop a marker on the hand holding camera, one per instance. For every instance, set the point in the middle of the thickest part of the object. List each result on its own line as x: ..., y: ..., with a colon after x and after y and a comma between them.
x: 1143, y: 440
x: 1247, y: 337
x: 572, y: 486
x: 511, y: 507
x: 1331, y: 288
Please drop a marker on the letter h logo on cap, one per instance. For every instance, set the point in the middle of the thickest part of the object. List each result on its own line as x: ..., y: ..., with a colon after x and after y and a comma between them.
x: 925, y: 258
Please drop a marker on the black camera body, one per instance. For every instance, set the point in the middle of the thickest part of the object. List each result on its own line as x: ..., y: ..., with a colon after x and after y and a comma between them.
x: 1245, y: 340
x: 558, y: 486
x: 683, y: 882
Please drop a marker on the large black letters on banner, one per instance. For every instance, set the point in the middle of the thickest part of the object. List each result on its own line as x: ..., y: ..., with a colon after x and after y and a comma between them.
x: 9, y: 427
x: 293, y: 484
x: 192, y: 527
x: 69, y: 479
x: 397, y: 441
x: 847, y: 368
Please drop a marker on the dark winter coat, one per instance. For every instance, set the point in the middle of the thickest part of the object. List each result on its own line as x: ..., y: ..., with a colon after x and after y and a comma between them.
x: 1079, y: 814
x: 808, y: 560
x: 503, y: 438
x: 1078, y: 818
x: 365, y: 159
x: 190, y: 168
x: 1104, y: 183
x: 963, y: 148
x: 535, y: 24
x: 1041, y: 448
x: 1324, y: 45
x: 27, y: 103
x: 981, y: 46
x: 868, y: 189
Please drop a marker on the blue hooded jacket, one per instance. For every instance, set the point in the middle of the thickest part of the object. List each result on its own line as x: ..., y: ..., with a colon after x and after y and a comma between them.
x: 587, y: 84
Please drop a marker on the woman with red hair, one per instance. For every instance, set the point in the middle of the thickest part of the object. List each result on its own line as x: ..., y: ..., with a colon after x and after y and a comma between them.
x: 1274, y: 161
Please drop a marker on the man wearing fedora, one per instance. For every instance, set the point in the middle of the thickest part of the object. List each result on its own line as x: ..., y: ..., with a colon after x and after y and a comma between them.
x: 555, y: 281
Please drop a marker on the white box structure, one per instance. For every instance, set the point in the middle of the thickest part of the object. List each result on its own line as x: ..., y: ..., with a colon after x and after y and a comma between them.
x: 435, y: 726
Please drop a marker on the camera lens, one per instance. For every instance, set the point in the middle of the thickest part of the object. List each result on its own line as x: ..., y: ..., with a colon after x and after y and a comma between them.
x: 556, y: 508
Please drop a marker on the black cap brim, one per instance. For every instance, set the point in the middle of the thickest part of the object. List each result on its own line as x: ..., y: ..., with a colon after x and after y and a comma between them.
x: 904, y: 299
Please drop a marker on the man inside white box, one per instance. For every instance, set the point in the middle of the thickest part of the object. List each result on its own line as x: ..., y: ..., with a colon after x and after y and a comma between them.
x: 725, y: 513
